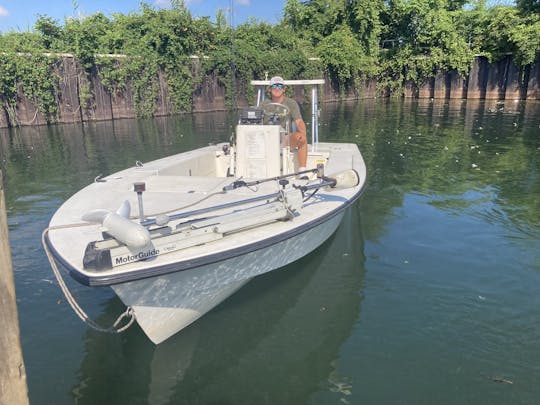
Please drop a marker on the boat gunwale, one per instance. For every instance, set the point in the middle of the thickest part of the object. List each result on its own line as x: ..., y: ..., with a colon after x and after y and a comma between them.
x: 192, y: 264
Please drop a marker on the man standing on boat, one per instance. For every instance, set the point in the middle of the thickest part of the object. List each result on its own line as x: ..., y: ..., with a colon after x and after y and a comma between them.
x: 297, y: 139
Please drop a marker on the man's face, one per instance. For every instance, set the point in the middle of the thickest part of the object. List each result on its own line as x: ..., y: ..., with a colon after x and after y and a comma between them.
x: 277, y: 90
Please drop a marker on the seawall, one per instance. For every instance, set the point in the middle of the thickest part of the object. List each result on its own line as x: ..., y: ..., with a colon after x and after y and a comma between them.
x: 501, y: 80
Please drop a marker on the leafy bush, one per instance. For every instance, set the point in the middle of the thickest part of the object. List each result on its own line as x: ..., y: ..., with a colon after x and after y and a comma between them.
x: 395, y: 41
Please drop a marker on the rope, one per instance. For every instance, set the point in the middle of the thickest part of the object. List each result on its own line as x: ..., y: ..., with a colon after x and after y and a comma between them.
x: 128, y: 313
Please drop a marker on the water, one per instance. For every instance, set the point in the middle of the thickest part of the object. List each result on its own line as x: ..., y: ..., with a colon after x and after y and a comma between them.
x: 427, y: 293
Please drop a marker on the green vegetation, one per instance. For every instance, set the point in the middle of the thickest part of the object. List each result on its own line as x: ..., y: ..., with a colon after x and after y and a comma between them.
x: 394, y: 41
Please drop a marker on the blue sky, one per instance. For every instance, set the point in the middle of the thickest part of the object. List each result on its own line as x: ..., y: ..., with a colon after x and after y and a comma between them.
x: 20, y: 15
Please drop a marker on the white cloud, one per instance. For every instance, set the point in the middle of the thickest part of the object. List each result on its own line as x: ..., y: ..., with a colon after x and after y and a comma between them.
x: 3, y: 12
x: 243, y: 2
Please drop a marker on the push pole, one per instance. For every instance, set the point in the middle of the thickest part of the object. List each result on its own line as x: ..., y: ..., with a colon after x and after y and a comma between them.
x: 13, y: 388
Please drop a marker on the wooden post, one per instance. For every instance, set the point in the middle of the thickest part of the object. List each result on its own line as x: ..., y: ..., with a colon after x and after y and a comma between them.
x: 13, y: 389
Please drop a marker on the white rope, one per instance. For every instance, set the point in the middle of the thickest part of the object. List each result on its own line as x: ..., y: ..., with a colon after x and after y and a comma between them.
x: 128, y: 313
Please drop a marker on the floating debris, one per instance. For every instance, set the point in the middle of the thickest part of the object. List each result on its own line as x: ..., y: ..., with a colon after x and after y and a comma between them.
x: 502, y: 380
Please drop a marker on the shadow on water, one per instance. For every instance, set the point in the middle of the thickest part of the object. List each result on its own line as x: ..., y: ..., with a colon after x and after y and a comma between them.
x: 272, y: 342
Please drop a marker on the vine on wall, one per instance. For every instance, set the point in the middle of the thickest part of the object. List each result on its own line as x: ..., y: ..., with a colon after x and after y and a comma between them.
x: 33, y: 74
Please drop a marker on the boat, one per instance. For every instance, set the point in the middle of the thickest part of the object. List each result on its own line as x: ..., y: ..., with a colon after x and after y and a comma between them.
x: 175, y: 237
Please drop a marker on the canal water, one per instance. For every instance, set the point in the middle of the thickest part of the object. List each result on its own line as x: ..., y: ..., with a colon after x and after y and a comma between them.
x: 428, y: 293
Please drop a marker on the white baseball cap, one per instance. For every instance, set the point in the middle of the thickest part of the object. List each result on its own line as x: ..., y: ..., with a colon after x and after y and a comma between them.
x: 277, y: 80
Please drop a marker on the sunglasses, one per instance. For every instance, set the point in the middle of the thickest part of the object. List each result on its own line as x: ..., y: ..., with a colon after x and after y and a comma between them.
x: 277, y: 86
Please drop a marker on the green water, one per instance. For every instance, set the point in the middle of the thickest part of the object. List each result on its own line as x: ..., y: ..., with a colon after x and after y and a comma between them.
x: 427, y: 294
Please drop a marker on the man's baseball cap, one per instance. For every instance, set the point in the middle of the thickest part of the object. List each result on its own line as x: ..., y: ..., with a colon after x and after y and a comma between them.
x: 277, y: 80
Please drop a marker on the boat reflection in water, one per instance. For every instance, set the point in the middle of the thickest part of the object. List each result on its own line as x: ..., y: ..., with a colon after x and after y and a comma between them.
x: 273, y: 342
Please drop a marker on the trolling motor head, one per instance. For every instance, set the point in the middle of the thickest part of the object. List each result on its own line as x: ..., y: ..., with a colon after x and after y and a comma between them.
x: 118, y: 225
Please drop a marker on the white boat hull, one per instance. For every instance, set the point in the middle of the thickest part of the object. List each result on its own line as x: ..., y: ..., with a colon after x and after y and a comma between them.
x: 166, y: 304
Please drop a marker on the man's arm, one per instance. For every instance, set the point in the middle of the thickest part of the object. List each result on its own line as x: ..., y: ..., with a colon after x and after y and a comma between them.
x: 301, y: 129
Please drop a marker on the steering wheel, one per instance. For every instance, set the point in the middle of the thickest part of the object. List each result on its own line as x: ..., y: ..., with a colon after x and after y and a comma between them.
x: 275, y: 113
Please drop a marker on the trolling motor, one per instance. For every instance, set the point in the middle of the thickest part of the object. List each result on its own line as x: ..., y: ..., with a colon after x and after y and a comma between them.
x: 134, y: 241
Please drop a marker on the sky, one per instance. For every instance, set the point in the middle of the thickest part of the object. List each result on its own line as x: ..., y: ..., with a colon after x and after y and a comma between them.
x: 20, y: 15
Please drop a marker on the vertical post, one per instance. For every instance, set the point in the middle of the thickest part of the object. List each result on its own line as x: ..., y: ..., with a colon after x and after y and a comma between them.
x: 13, y: 389
x: 314, y: 118
x: 260, y: 96
x: 231, y: 62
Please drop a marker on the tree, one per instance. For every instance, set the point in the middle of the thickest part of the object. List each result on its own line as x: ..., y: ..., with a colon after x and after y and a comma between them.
x: 506, y: 31
x: 315, y: 19
x: 49, y: 29
x: 528, y: 6
x: 365, y: 21
x: 344, y: 56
